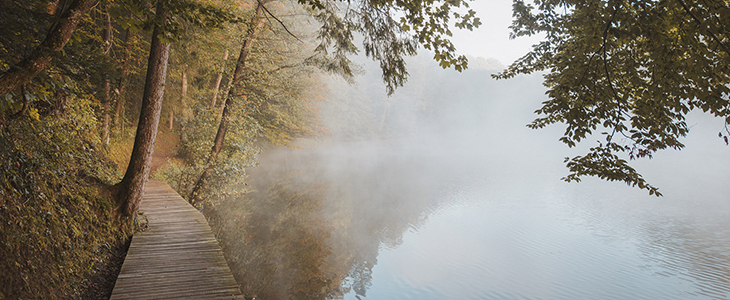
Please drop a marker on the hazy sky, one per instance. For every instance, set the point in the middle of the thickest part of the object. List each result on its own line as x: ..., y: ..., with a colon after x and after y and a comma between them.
x: 492, y: 38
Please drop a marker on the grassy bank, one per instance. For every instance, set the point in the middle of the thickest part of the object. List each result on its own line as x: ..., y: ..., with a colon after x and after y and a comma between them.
x: 55, y: 206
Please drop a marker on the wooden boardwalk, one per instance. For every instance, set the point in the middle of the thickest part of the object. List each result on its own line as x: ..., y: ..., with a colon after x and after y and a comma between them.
x: 177, y: 257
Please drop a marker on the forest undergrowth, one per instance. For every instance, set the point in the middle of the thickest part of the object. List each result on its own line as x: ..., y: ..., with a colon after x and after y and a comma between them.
x: 60, y: 238
x: 56, y: 207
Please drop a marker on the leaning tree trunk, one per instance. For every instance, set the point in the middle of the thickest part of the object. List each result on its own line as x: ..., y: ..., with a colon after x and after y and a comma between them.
x: 220, y: 136
x: 226, y: 92
x: 132, y: 185
x: 22, y: 72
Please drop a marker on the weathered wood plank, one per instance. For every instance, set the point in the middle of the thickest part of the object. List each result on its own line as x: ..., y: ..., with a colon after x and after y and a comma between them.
x: 177, y: 257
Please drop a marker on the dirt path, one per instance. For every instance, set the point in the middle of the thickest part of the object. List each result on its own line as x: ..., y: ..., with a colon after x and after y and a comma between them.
x: 165, y: 149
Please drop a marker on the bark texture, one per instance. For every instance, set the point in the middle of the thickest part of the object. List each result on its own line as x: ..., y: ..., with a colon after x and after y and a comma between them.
x: 22, y: 72
x: 132, y: 185
x: 256, y: 23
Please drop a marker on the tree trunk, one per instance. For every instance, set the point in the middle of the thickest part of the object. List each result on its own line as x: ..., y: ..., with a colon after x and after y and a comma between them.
x: 106, y: 108
x: 218, y: 82
x: 132, y: 185
x: 122, y: 78
x: 184, y: 113
x: 256, y: 24
x: 107, y: 36
x: 226, y: 92
x: 22, y: 72
x: 172, y: 118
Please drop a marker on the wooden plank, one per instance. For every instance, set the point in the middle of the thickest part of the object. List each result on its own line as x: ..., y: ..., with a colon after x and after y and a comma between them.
x: 177, y: 257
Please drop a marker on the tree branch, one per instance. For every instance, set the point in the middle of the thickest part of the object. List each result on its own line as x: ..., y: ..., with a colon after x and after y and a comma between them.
x: 57, y: 37
x: 712, y: 34
x: 608, y: 76
x: 277, y: 19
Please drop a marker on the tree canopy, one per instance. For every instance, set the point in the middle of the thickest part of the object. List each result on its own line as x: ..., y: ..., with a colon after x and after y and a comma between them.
x: 631, y: 70
x: 387, y: 39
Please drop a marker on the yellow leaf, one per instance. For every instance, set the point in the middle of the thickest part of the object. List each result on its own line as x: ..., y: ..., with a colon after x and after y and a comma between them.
x: 33, y: 112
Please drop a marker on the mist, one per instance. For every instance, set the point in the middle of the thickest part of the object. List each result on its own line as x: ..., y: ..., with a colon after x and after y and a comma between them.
x: 441, y: 192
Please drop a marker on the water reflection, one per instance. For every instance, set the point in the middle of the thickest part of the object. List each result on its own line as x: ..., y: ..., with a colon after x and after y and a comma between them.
x: 313, y: 223
x: 277, y: 241
x: 357, y: 221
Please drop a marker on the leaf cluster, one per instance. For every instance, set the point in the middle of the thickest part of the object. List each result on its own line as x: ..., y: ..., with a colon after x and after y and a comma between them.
x: 181, y: 16
x: 281, y: 90
x: 387, y: 40
x: 631, y: 70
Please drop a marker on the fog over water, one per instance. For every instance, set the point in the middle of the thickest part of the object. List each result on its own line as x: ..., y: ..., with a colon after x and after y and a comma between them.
x: 441, y: 192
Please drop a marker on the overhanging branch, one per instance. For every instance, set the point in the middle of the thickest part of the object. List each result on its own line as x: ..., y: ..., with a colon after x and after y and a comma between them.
x: 712, y: 34
x: 277, y: 20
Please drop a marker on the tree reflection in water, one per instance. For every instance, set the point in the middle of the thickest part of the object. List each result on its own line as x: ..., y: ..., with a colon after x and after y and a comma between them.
x: 276, y: 242
x: 308, y: 230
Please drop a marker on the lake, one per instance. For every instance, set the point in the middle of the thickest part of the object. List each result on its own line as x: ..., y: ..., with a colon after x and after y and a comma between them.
x: 409, y: 219
x: 442, y: 193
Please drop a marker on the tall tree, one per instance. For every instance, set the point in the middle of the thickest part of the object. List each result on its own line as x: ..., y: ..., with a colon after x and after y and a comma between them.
x: 57, y: 37
x: 132, y: 186
x: 107, y: 103
x: 631, y: 70
x: 122, y: 79
x: 182, y: 107
x: 183, y: 94
x: 165, y: 30
x: 256, y: 23
x: 171, y: 118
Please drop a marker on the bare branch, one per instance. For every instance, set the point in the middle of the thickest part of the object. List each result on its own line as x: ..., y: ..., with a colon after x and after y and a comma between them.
x: 277, y: 19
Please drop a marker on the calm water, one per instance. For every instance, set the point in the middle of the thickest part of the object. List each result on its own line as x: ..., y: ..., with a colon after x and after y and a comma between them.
x: 468, y: 204
x: 469, y: 223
